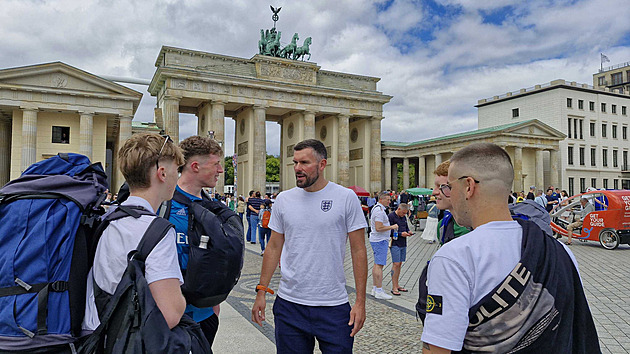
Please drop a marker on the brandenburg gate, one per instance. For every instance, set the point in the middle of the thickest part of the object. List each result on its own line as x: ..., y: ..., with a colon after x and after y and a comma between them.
x: 342, y: 110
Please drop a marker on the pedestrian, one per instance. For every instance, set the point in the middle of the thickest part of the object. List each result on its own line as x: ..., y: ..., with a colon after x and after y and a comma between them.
x: 240, y: 207
x: 263, y: 224
x: 310, y: 226
x: 398, y: 247
x: 540, y: 199
x: 150, y: 165
x: 202, y: 169
x: 379, y: 240
x: 247, y: 215
x: 586, y: 208
x: 552, y: 200
x: 253, y: 207
x: 522, y: 293
x: 532, y: 193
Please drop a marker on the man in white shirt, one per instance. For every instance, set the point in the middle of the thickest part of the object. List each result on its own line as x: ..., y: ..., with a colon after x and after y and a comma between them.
x: 540, y: 296
x: 149, y: 164
x: 310, y: 226
x: 379, y: 240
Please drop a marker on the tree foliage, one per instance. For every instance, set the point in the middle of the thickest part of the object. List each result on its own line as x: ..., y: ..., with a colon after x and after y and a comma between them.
x: 273, y: 169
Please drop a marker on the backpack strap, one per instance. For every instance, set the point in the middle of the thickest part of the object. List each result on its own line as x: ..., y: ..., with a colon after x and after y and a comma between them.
x: 156, y: 231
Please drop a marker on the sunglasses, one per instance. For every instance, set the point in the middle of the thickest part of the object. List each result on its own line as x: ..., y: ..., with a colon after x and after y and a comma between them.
x: 167, y: 138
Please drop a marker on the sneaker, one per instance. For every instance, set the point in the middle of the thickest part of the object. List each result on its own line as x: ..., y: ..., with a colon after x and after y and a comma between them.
x: 381, y: 295
x: 373, y: 291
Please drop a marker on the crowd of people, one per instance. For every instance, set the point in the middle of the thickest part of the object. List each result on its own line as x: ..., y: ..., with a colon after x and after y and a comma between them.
x: 475, y: 289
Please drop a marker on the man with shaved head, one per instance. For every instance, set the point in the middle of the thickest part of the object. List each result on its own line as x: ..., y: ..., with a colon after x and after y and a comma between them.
x: 505, y: 286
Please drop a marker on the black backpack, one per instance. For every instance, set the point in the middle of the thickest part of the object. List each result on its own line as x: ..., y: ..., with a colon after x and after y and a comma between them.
x: 131, y: 322
x: 214, y: 271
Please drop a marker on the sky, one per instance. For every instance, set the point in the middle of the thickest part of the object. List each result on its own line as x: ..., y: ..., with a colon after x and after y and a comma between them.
x: 437, y: 58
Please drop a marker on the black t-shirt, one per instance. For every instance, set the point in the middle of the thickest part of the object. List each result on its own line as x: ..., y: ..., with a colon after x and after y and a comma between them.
x: 402, y: 227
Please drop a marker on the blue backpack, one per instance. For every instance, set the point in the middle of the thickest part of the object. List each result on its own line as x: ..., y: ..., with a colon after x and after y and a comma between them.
x: 47, y: 219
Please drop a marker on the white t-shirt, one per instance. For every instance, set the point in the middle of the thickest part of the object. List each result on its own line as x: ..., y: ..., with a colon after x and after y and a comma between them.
x: 315, y: 227
x: 110, y: 260
x: 466, y: 269
x: 378, y: 214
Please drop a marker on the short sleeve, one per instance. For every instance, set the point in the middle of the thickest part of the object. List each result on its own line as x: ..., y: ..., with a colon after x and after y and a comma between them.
x: 450, y: 289
x: 354, y: 214
x: 162, y: 262
x: 275, y: 222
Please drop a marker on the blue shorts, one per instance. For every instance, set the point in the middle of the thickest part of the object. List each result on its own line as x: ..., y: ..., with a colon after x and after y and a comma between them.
x: 399, y: 254
x: 297, y: 326
x: 380, y: 252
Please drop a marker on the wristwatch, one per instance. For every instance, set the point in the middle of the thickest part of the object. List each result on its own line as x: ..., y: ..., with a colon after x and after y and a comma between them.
x: 262, y: 287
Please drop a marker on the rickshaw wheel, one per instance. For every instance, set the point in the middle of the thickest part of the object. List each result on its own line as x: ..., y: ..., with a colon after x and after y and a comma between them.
x: 609, y: 239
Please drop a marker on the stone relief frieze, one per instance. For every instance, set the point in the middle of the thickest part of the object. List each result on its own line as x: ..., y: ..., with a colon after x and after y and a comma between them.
x: 180, y: 84
x: 356, y: 154
x: 242, y: 149
x: 60, y: 80
x: 197, y: 86
x: 287, y: 73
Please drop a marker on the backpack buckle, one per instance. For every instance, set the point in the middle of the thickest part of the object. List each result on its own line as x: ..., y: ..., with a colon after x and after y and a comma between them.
x: 59, y: 286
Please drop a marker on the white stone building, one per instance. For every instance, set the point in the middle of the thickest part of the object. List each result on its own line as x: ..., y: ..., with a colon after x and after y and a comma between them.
x: 595, y: 120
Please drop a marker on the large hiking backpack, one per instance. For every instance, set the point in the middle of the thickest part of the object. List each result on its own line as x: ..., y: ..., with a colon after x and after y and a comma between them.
x: 47, y: 219
x: 530, y: 210
x: 211, y: 273
x: 131, y: 321
x: 264, y: 220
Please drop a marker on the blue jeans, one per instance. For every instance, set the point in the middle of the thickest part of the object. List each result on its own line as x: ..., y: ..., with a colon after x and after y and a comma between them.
x: 265, y: 234
x: 297, y: 326
x: 249, y: 230
x: 253, y: 227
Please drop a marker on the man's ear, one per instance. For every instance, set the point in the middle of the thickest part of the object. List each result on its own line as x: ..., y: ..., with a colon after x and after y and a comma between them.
x: 194, y: 166
x: 471, y: 188
x: 322, y: 164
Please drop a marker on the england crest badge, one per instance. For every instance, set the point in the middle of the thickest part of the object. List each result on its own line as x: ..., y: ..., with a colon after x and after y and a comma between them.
x: 326, y: 205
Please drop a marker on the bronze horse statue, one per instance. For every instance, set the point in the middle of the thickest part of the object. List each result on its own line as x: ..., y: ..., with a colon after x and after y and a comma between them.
x: 288, y: 51
x: 300, y: 52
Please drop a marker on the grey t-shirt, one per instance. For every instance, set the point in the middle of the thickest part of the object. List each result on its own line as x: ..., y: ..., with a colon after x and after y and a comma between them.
x: 315, y: 227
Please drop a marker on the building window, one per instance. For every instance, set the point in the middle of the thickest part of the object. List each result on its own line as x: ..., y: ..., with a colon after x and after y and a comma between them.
x: 603, y: 107
x: 601, y: 81
x: 582, y: 185
x: 616, y: 78
x: 569, y: 102
x: 615, y: 163
x: 570, y: 128
x: 581, y: 128
x: 605, y: 157
x: 624, y: 133
x: 605, y: 183
x: 61, y: 135
x: 604, y: 130
x: 570, y: 153
x: 613, y: 109
x: 615, y: 183
x: 628, y: 75
x: 591, y: 106
x: 594, y: 182
x: 575, y: 128
x: 614, y: 131
x: 592, y: 128
x: 623, y: 110
x: 571, y: 186
x: 593, y: 157
x: 625, y: 161
x: 514, y: 112
x: 582, y: 163
x: 580, y: 104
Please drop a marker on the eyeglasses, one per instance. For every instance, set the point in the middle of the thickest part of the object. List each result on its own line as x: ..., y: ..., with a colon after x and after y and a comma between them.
x: 446, y: 187
x: 167, y: 138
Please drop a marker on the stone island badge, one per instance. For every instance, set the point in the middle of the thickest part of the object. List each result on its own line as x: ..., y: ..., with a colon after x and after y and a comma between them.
x: 434, y: 304
x: 326, y: 205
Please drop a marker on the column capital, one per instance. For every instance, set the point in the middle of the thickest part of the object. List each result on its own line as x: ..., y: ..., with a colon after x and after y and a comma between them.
x: 29, y: 108
x: 86, y: 113
x: 124, y: 116
x: 374, y: 118
x: 260, y: 106
x: 213, y: 102
x: 343, y: 115
x: 309, y: 111
x: 172, y: 98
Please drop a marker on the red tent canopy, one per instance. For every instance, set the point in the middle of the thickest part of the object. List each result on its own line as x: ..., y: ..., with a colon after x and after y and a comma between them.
x: 359, y: 191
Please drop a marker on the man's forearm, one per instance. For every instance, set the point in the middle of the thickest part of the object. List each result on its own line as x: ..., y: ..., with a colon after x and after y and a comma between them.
x: 359, y: 262
x: 271, y: 258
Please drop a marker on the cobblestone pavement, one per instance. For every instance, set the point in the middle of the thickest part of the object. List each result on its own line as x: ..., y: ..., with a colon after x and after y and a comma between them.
x: 391, y: 325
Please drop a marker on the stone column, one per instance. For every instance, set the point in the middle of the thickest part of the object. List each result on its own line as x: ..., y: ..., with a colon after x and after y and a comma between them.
x: 405, y: 173
x: 554, y: 161
x: 375, y: 155
x: 309, y: 125
x: 170, y: 114
x: 518, y: 169
x: 394, y: 175
x: 388, y: 173
x: 438, y: 160
x: 86, y: 124
x: 29, y: 137
x: 5, y: 151
x: 422, y: 172
x: 259, y: 155
x: 343, y: 156
x: 540, y: 172
x: 218, y: 124
x: 124, y: 133
x: 283, y: 185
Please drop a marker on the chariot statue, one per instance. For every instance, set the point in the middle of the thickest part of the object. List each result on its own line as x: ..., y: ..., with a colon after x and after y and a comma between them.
x: 269, y: 43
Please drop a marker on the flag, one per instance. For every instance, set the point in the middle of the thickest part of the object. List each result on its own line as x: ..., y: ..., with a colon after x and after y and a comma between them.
x: 604, y: 58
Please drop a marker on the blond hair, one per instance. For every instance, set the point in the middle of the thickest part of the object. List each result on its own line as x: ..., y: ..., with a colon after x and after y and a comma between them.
x: 139, y: 154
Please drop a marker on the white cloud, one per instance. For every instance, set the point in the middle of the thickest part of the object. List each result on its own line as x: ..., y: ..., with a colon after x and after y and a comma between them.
x: 435, y: 80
